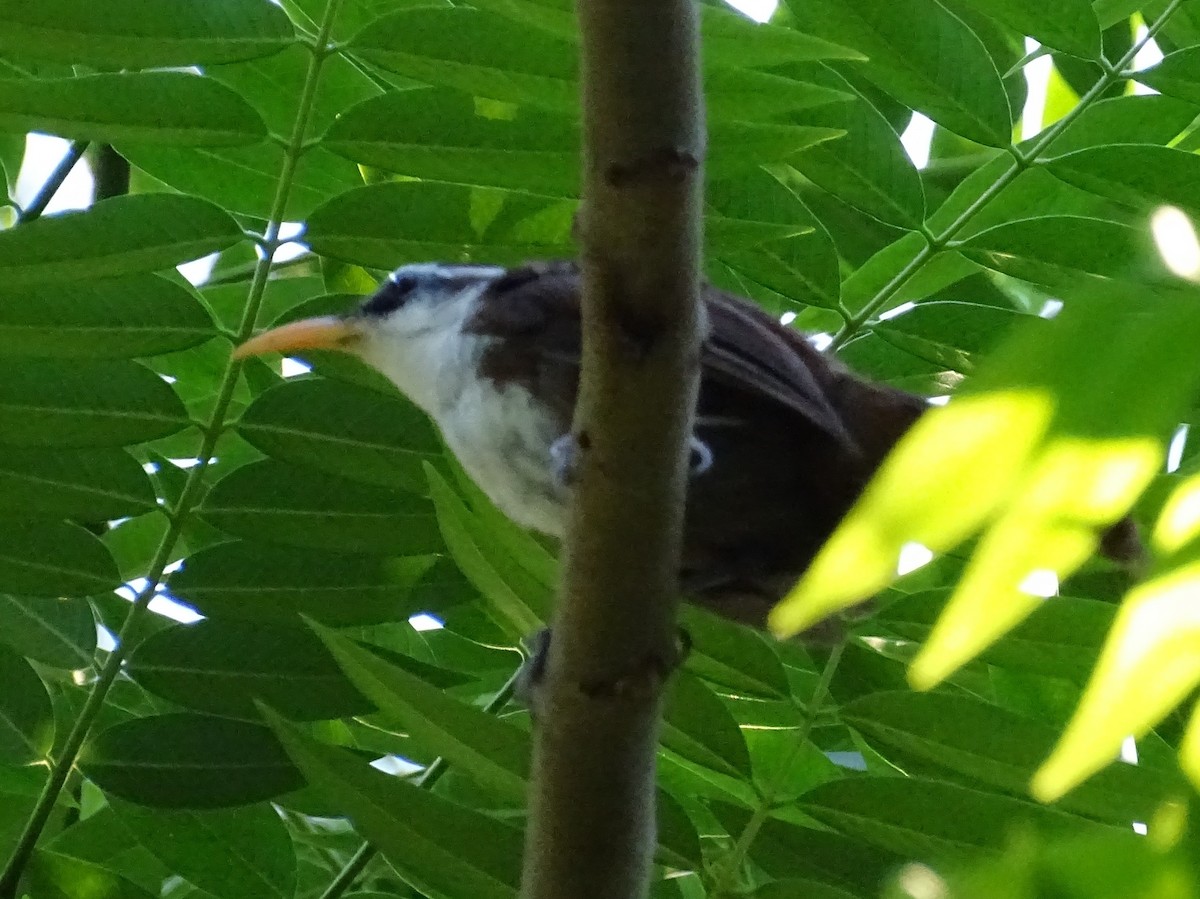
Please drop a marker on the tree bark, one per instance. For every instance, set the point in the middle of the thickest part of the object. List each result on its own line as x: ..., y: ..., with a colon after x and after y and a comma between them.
x: 591, y: 833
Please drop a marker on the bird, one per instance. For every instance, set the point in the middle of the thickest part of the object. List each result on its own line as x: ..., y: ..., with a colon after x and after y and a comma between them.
x: 786, y: 437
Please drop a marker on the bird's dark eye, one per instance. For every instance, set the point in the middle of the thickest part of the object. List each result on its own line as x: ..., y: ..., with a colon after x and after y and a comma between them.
x: 404, y: 283
x: 393, y: 293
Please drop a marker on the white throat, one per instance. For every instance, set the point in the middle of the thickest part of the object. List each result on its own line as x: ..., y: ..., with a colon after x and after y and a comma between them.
x: 498, y: 433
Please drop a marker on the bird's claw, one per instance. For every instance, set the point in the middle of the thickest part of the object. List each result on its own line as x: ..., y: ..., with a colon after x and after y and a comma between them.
x: 564, y: 458
x: 531, y: 677
x: 532, y: 674
x: 700, y: 456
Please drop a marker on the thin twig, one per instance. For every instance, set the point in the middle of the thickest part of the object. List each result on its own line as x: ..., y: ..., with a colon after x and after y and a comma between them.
x: 52, y: 184
x: 768, y: 796
x: 10, y: 878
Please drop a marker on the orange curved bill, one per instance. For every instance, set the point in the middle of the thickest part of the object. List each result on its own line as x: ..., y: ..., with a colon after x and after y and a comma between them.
x: 325, y: 333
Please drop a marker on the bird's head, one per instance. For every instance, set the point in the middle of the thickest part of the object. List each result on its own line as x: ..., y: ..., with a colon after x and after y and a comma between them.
x: 410, y: 330
x: 414, y: 301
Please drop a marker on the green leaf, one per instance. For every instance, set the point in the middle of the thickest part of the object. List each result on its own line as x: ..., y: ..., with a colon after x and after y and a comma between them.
x: 442, y: 849
x: 533, y: 553
x: 798, y: 888
x: 951, y: 334
x: 243, y: 853
x: 1051, y: 249
x: 60, y: 633
x: 941, y: 68
x: 157, y: 107
x: 745, y: 95
x: 93, y: 484
x: 101, y: 838
x: 1060, y: 639
x: 364, y: 435
x: 1137, y: 175
x: 867, y: 166
x: 872, y: 356
x: 1154, y: 640
x: 996, y: 747
x: 273, y: 85
x: 134, y: 542
x: 926, y: 819
x: 143, y: 315
x: 520, y: 599
x: 504, y: 227
x: 1047, y: 448
x: 85, y: 404
x: 1033, y: 194
x: 1067, y: 25
x: 52, y: 875
x: 1113, y: 865
x: 801, y: 265
x: 698, y: 726
x: 732, y: 655
x: 1134, y: 119
x: 725, y: 34
x: 143, y: 33
x: 874, y: 274
x: 1103, y: 442
x: 493, y: 752
x: 730, y: 39
x: 1177, y: 75
x: 183, y: 760
x: 26, y: 717
x: 269, y: 500
x: 118, y: 236
x: 262, y: 582
x: 784, y: 849
x: 443, y: 135
x: 222, y: 666
x: 474, y: 51
x: 40, y: 557
x: 1114, y: 12
x: 440, y: 221
x: 243, y: 180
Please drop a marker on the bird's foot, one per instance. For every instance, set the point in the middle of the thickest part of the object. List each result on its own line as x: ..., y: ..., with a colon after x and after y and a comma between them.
x: 564, y: 457
x: 700, y: 456
x: 532, y: 676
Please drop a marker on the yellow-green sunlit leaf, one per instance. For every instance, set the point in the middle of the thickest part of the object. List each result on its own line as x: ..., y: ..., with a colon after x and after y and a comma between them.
x: 1075, y: 488
x: 1151, y: 660
x: 1179, y: 522
x: 1046, y: 446
x: 1189, y: 748
x: 1149, y: 664
x: 931, y: 490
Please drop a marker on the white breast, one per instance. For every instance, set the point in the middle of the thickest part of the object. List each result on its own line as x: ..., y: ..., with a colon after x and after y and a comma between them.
x: 503, y: 441
x: 499, y: 435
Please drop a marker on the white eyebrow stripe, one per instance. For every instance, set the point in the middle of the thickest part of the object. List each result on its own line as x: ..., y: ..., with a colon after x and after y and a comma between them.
x: 448, y: 271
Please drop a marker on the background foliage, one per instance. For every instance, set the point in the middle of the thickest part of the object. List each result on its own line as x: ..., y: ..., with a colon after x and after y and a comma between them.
x: 308, y: 518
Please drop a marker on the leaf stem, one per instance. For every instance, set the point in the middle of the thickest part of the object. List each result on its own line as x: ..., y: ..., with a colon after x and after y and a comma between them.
x: 437, y: 768
x: 935, y: 243
x: 733, y: 861
x: 9, y: 879
x: 47, y: 191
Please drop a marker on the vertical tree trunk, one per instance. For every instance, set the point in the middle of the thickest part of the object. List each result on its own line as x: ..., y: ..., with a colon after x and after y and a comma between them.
x: 591, y: 832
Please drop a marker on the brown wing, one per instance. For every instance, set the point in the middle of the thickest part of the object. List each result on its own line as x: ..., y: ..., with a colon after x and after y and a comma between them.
x: 537, y: 312
x: 747, y: 349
